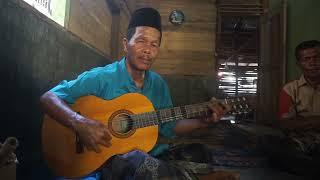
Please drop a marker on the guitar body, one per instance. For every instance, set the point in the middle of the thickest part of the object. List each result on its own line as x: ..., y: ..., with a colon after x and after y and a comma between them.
x: 65, y: 154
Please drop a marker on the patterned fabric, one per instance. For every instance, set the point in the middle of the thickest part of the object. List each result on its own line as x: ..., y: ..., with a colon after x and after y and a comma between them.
x: 307, y: 142
x: 183, y: 163
x: 296, y: 153
x: 299, y: 98
x: 139, y: 165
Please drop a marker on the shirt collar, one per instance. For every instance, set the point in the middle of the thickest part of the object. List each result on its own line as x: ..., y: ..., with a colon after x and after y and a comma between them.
x: 125, y: 71
x: 302, y: 81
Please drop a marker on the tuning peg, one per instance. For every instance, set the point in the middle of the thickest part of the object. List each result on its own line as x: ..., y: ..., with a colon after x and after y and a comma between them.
x: 234, y: 107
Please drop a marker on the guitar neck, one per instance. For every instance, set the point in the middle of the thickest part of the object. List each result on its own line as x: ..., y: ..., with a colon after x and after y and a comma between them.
x: 170, y: 114
x: 185, y: 112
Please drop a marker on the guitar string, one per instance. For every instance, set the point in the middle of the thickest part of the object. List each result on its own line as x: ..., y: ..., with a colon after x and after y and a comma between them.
x: 166, y: 119
x: 152, y: 121
x: 191, y: 111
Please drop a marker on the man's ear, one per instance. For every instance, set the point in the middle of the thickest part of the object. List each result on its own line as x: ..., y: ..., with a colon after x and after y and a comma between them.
x: 125, y: 44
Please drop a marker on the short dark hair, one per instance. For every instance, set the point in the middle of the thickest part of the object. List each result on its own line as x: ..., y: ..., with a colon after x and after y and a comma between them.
x: 131, y: 31
x: 306, y: 45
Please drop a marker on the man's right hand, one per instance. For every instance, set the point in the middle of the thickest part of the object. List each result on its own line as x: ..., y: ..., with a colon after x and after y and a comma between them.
x: 91, y: 133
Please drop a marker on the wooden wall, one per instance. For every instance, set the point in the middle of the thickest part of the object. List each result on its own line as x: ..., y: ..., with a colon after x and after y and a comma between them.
x: 188, y: 49
x: 124, y: 17
x: 185, y: 50
x: 91, y: 21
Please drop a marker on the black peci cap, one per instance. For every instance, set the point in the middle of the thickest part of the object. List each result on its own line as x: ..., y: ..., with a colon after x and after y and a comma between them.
x: 146, y: 17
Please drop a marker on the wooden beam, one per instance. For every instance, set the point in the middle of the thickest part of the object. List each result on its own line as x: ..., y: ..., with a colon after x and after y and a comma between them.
x: 114, y: 6
x: 115, y: 30
x: 147, y: 3
x: 130, y: 5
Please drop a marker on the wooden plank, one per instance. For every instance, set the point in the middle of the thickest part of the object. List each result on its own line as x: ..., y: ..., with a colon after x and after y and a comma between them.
x: 192, y: 55
x: 124, y: 21
x: 187, y: 49
x: 190, y: 28
x: 239, y: 2
x: 114, y: 45
x: 114, y: 6
x: 131, y: 5
x: 84, y: 15
x: 188, y: 41
x: 147, y: 3
x: 181, y: 66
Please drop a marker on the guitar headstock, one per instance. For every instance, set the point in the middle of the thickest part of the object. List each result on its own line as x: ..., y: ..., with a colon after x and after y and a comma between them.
x: 239, y: 105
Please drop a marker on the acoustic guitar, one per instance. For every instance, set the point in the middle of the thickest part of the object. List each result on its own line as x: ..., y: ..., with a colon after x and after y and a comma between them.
x: 132, y: 123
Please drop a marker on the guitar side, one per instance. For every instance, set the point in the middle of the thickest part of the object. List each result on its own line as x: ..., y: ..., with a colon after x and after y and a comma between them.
x: 59, y: 143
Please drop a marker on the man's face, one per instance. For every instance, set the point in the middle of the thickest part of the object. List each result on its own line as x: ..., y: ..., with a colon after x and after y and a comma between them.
x: 143, y: 48
x: 309, y: 62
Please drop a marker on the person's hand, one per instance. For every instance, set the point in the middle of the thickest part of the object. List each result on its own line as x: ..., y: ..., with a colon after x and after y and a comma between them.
x: 92, y: 133
x: 218, y: 109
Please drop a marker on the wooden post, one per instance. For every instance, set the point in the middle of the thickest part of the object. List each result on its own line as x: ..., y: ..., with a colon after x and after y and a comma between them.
x: 114, y: 6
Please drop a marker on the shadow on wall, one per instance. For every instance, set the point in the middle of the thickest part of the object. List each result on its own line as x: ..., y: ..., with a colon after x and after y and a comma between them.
x: 35, y: 54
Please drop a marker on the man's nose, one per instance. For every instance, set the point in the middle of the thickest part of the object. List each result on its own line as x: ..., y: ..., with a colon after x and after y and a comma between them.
x: 147, y: 49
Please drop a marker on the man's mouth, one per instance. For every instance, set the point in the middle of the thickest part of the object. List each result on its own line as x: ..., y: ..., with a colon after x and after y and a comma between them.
x: 313, y: 72
x: 146, y: 60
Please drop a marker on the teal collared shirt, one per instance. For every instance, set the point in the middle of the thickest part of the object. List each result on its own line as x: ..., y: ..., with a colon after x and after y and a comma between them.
x: 112, y: 81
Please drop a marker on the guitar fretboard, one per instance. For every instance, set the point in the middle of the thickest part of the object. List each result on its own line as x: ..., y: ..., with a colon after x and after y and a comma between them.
x: 170, y: 114
x: 237, y: 105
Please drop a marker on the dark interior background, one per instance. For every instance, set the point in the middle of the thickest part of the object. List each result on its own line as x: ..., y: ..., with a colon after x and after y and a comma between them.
x: 34, y: 55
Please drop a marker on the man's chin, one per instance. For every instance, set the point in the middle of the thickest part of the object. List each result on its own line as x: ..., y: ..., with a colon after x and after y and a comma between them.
x: 313, y: 76
x: 145, y: 67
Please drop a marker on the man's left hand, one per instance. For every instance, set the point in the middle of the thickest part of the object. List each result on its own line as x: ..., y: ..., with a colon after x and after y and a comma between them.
x: 218, y: 110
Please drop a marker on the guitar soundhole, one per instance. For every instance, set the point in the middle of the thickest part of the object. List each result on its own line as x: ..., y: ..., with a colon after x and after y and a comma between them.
x: 121, y: 125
